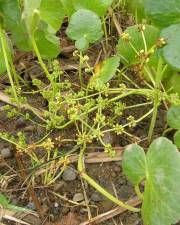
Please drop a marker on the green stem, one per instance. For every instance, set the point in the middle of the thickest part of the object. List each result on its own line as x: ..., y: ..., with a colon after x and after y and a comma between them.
x: 159, y: 74
x: 100, y: 189
x: 80, y: 69
x: 4, y: 48
x: 138, y: 192
x: 105, y: 31
x: 154, y: 116
x: 36, y: 50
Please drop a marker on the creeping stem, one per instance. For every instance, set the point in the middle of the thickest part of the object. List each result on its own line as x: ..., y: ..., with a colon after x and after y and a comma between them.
x: 100, y: 189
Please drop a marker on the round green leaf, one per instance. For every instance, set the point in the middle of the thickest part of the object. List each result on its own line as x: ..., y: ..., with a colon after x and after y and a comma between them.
x: 134, y: 163
x: 175, y: 82
x: 163, y: 12
x: 98, y: 6
x: 128, y: 53
x: 171, y: 51
x: 177, y: 138
x: 85, y: 23
x: 52, y: 12
x: 173, y: 116
x: 162, y: 195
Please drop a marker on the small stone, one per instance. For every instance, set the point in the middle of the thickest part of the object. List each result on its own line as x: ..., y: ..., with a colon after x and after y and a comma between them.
x: 78, y: 197
x: 97, y: 197
x: 108, y: 138
x: 117, y: 169
x: 20, y: 123
x: 69, y: 174
x: 31, y: 206
x: 59, y: 186
x: 113, y: 174
x: 6, y: 153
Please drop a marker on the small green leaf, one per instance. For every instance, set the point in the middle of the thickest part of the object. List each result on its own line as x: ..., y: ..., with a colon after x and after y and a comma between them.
x: 98, y: 6
x: 106, y: 71
x: 52, y: 12
x: 162, y: 195
x: 3, y: 201
x: 173, y: 117
x: 5, y: 204
x: 85, y: 23
x: 163, y: 12
x: 127, y: 50
x: 177, y: 138
x: 134, y: 163
x: 171, y: 51
x: 82, y: 44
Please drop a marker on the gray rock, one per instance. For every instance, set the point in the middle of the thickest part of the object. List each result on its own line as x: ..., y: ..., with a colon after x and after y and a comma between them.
x: 20, y: 123
x: 6, y: 152
x: 69, y: 174
x: 108, y: 138
x: 31, y: 206
x: 78, y: 197
x: 97, y: 197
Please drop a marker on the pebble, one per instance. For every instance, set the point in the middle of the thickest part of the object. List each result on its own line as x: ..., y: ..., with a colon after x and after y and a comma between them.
x: 20, y: 123
x: 59, y: 186
x: 6, y: 152
x: 31, y: 206
x: 78, y: 197
x: 108, y: 138
x: 69, y: 174
x: 97, y: 197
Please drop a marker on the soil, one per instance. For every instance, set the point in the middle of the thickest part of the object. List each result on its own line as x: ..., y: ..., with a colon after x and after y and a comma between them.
x: 58, y: 208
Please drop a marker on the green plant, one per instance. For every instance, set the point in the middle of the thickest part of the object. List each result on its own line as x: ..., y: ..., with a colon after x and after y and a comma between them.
x: 5, y: 204
x: 159, y: 169
x: 173, y: 119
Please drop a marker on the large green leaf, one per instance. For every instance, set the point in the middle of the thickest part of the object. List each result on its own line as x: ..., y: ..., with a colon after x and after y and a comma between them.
x: 173, y: 116
x: 105, y: 72
x: 134, y: 163
x: 98, y: 6
x: 13, y: 22
x: 128, y: 53
x: 137, y: 8
x: 175, y: 82
x: 68, y: 7
x: 52, y: 12
x: 2, y: 62
x: 162, y: 195
x: 172, y: 49
x: 43, y: 32
x: 85, y: 23
x: 47, y: 42
x: 163, y: 12
x: 31, y: 15
x: 177, y: 138
x: 161, y: 170
x: 8, y: 49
